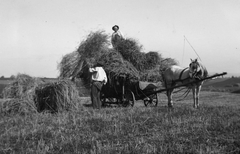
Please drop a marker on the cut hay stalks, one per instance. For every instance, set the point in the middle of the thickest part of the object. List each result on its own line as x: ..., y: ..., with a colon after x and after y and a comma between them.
x: 19, y: 106
x: 19, y: 94
x: 93, y: 47
x: 127, y: 58
x: 69, y: 63
x: 115, y: 65
x: 132, y: 52
x: 152, y: 75
x: 57, y: 96
x: 21, y: 87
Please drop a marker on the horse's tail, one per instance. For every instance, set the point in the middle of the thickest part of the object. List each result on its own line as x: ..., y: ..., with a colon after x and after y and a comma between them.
x: 164, y: 82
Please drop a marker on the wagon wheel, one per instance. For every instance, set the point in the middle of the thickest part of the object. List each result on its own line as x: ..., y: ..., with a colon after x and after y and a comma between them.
x: 129, y: 99
x: 151, y: 100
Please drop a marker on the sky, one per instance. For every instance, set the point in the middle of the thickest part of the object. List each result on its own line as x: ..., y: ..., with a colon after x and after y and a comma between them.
x: 36, y: 34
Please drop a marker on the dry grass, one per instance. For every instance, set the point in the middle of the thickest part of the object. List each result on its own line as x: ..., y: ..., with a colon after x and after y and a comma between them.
x: 209, y: 129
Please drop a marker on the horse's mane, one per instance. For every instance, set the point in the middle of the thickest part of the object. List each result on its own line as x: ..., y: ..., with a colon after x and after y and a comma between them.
x: 203, y: 68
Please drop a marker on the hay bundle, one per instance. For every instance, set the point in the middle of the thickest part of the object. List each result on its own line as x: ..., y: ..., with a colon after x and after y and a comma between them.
x: 22, y: 87
x: 132, y: 52
x: 153, y: 59
x: 93, y: 47
x: 19, y: 95
x: 56, y: 96
x: 16, y: 105
x: 115, y: 65
x: 152, y: 75
x: 68, y: 64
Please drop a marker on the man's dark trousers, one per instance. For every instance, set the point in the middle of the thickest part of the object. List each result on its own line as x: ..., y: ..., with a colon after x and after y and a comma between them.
x: 95, y: 94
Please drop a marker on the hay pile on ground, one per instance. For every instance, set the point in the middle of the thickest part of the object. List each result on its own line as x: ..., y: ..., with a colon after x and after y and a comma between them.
x: 19, y: 95
x: 56, y: 96
x: 17, y: 105
x: 22, y: 86
x: 26, y: 94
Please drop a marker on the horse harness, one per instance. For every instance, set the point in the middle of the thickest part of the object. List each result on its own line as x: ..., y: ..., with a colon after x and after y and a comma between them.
x: 180, y: 77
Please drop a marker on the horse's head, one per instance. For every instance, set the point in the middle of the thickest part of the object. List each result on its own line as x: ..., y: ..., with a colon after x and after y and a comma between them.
x: 197, y: 70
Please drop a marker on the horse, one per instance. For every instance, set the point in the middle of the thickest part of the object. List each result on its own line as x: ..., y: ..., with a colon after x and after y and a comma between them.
x: 176, y: 75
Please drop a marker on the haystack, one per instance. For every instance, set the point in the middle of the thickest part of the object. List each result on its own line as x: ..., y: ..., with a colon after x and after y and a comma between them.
x: 126, y: 58
x: 91, y: 50
x: 19, y: 94
x: 21, y: 86
x: 56, y: 96
x: 68, y: 64
x: 132, y: 51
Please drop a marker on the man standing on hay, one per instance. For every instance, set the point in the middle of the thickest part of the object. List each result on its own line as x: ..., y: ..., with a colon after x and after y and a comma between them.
x: 99, y: 78
x: 116, y: 36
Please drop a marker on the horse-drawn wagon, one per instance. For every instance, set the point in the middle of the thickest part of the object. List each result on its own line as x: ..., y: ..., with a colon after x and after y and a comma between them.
x: 123, y: 91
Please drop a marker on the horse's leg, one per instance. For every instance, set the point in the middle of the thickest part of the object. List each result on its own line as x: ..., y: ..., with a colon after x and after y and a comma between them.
x: 198, y: 89
x: 169, y: 95
x: 194, y: 96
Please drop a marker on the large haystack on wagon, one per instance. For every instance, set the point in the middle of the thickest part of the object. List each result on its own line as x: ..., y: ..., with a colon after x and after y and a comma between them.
x: 125, y: 64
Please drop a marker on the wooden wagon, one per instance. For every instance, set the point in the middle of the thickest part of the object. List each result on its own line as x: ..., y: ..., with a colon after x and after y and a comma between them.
x: 125, y: 92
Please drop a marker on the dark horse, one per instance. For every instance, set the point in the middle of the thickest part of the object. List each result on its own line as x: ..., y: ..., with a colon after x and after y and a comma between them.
x: 176, y: 75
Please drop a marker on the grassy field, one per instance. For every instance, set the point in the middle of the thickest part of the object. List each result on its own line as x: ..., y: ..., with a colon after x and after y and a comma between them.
x: 213, y: 128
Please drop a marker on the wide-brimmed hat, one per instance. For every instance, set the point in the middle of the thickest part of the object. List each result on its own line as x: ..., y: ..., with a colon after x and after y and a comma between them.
x: 115, y: 26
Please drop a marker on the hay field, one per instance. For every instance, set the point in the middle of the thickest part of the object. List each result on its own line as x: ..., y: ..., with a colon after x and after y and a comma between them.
x: 213, y: 128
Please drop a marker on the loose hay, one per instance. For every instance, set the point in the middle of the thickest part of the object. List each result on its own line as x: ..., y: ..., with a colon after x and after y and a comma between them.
x: 68, y: 64
x: 27, y: 94
x: 21, y: 106
x: 115, y: 65
x: 57, y: 96
x: 126, y: 58
x: 93, y: 47
x: 19, y: 94
x: 132, y: 51
x: 21, y: 87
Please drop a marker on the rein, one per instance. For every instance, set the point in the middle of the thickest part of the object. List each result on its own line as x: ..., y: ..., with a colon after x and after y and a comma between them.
x: 185, y: 93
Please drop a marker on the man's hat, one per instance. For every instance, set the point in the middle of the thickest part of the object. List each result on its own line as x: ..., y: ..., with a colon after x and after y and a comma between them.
x: 115, y: 26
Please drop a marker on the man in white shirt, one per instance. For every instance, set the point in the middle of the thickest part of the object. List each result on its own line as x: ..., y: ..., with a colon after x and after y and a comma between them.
x: 98, y: 78
x: 116, y: 36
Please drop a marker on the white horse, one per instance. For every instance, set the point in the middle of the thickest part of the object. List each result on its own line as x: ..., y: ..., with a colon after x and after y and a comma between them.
x: 176, y: 75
